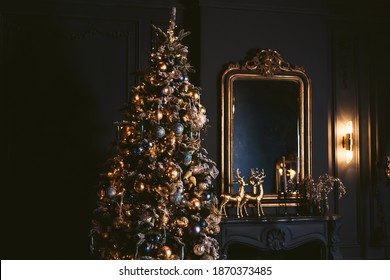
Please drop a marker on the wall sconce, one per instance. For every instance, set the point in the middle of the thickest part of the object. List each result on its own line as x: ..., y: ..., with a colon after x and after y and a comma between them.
x: 348, y: 141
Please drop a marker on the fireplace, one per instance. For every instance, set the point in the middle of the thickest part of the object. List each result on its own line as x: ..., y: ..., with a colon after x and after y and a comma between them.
x: 289, y: 237
x: 309, y: 251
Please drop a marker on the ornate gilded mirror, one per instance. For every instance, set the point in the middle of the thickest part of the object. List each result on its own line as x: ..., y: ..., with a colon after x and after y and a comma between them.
x: 266, y: 123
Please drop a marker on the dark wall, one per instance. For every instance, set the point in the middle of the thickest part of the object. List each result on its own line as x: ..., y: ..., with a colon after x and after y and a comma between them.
x: 66, y: 67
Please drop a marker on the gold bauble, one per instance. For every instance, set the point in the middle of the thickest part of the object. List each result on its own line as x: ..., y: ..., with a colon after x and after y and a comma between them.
x: 217, y: 229
x: 182, y: 222
x: 173, y: 173
x: 162, y: 66
x: 174, y: 257
x: 195, y: 204
x: 199, y: 249
x: 164, y: 253
x: 139, y: 187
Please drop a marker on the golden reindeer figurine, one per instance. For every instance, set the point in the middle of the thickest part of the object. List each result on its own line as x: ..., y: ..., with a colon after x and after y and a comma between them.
x: 234, y: 197
x: 255, y: 180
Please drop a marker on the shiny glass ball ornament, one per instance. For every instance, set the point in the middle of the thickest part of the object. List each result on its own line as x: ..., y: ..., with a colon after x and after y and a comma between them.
x: 137, y: 149
x: 145, y: 248
x: 164, y: 253
x: 203, y: 223
x: 176, y: 74
x: 110, y: 192
x: 148, y: 145
x: 199, y: 249
x: 178, y: 128
x: 187, y: 158
x: 139, y: 187
x: 195, y: 204
x: 184, y: 78
x: 167, y: 90
x: 162, y: 66
x: 194, y: 229
x: 174, y: 257
x: 159, y: 132
x: 206, y: 196
x: 173, y: 173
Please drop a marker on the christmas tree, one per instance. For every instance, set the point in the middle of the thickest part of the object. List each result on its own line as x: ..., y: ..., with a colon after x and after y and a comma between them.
x: 156, y: 198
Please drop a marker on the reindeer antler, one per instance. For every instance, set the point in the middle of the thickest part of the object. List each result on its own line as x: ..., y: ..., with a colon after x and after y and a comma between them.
x: 238, y: 174
x: 261, y: 175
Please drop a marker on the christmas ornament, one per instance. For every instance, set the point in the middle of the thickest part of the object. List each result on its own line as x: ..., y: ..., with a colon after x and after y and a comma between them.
x: 159, y: 132
x: 137, y: 149
x: 195, y: 204
x: 194, y: 229
x: 199, y: 249
x: 139, y: 187
x: 162, y: 66
x: 187, y: 158
x: 164, y: 253
x: 167, y: 90
x: 110, y: 192
x: 178, y: 128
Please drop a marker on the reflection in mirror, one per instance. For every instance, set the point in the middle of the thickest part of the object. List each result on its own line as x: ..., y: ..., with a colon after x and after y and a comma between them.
x: 265, y: 126
x: 266, y: 123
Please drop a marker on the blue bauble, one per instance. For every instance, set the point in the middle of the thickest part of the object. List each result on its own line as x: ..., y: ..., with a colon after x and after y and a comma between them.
x: 110, y: 192
x: 137, y: 149
x: 145, y: 248
x: 206, y: 196
x: 203, y: 223
x: 178, y: 128
x: 187, y: 158
x: 148, y: 145
x: 159, y: 132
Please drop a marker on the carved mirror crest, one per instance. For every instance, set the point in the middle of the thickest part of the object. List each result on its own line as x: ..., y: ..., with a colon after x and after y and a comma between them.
x: 266, y: 122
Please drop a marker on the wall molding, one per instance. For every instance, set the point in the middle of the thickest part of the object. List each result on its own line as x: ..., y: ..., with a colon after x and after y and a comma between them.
x: 278, y: 6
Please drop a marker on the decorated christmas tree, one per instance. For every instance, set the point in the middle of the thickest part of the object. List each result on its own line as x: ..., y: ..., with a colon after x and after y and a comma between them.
x: 156, y: 198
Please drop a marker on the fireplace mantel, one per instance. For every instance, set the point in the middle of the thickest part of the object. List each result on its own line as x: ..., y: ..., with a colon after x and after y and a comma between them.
x: 282, y: 233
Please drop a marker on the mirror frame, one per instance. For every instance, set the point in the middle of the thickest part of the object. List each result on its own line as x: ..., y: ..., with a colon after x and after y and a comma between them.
x: 264, y: 65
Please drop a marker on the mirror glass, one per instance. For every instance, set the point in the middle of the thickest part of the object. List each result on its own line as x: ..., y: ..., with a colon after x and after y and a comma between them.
x: 266, y: 123
x: 265, y: 127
